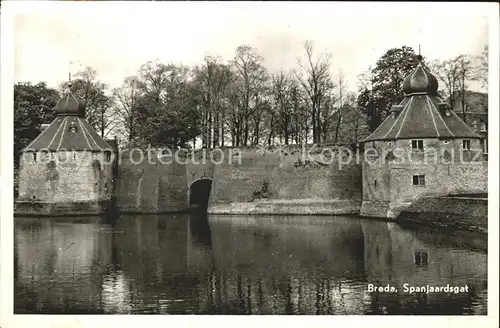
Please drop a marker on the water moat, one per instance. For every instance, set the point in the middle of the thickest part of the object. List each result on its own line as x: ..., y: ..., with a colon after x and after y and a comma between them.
x: 191, y: 264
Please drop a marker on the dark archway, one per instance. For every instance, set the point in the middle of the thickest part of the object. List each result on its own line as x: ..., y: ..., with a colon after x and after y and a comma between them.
x: 199, y: 194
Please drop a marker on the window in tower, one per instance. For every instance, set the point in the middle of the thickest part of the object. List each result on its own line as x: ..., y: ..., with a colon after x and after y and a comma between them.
x: 417, y: 144
x: 419, y: 180
x: 483, y: 126
x: 421, y: 257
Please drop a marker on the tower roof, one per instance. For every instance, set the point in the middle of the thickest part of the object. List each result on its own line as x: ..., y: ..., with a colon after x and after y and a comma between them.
x: 69, y: 130
x: 421, y: 114
x: 420, y: 80
x: 69, y: 104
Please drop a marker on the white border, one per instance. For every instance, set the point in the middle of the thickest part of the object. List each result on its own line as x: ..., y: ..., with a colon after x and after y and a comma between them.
x: 8, y: 320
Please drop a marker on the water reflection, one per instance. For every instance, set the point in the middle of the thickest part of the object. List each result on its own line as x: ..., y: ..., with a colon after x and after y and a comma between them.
x: 241, y: 265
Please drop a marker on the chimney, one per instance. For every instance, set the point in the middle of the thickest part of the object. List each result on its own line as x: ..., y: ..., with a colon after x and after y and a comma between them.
x: 395, y: 110
x: 444, y: 108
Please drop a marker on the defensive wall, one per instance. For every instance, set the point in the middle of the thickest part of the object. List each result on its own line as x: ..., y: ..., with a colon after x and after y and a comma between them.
x: 156, y: 183
x: 299, y: 181
x: 244, y: 180
x: 290, y: 180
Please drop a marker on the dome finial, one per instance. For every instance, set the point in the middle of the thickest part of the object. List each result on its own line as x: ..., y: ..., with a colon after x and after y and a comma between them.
x: 70, y: 84
x: 420, y: 80
x: 419, y: 56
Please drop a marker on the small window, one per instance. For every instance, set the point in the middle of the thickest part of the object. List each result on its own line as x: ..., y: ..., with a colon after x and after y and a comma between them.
x: 466, y: 145
x: 108, y: 156
x: 34, y: 157
x: 483, y: 126
x: 74, y: 155
x: 373, y: 144
x: 419, y: 180
x: 421, y: 257
x: 446, y: 142
x: 375, y: 183
x: 417, y: 144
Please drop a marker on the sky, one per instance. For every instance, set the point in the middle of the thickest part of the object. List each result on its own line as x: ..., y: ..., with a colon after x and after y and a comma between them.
x: 116, y: 38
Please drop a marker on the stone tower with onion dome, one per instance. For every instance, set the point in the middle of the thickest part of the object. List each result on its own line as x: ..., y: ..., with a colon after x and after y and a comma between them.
x: 421, y: 149
x: 68, y: 168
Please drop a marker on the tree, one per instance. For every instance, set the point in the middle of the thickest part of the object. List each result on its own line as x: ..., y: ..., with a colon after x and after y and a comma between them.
x: 249, y: 84
x: 212, y: 78
x: 339, y: 113
x: 92, y: 93
x: 166, y: 106
x: 481, y: 68
x: 354, y: 127
x: 384, y: 88
x: 282, y: 107
x: 447, y: 72
x: 464, y: 75
x: 316, y: 82
x: 125, y: 109
x: 455, y: 74
x: 33, y: 106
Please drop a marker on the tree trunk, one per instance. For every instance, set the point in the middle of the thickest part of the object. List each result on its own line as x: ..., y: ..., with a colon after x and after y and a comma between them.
x: 102, y: 123
x: 314, y: 131
x: 245, y: 137
x: 216, y: 130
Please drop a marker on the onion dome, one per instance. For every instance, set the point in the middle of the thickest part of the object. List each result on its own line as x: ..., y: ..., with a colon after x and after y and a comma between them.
x: 69, y: 104
x: 422, y: 113
x: 420, y: 81
x: 69, y: 131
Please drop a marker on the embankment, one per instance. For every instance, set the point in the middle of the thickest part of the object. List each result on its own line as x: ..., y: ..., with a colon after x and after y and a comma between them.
x: 458, y: 212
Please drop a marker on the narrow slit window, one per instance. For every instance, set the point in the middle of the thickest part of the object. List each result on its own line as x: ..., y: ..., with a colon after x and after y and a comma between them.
x: 34, y: 157
x: 417, y: 144
x: 466, y: 145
